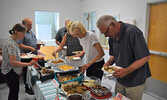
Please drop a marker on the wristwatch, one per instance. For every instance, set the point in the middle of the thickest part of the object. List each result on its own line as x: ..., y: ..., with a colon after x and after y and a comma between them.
x: 90, y: 62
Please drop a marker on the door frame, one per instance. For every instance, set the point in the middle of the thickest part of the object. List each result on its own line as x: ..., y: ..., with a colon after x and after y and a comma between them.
x: 153, y: 87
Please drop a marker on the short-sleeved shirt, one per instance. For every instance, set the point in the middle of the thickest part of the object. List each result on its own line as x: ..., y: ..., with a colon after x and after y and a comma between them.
x: 73, y: 44
x: 60, y: 34
x: 88, y: 45
x: 130, y: 46
x: 10, y: 47
x: 29, y: 40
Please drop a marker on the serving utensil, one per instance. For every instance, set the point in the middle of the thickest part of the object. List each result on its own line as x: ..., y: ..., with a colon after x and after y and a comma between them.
x: 29, y: 53
x: 63, y: 95
x: 39, y: 65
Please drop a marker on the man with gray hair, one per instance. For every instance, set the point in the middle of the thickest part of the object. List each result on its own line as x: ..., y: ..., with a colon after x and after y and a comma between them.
x: 128, y: 50
x: 59, y: 37
x: 61, y: 32
x: 29, y: 40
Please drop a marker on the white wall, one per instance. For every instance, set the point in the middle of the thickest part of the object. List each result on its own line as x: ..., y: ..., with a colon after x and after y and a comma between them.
x: 13, y: 11
x: 135, y: 9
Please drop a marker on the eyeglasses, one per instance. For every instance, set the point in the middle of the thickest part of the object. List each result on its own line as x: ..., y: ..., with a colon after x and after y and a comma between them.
x: 23, y: 32
x: 107, y: 29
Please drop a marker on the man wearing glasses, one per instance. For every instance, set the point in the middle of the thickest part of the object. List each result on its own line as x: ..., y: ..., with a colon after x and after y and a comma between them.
x: 29, y: 40
x: 128, y: 50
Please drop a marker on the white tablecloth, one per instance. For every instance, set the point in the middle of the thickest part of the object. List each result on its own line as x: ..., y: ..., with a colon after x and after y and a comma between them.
x: 44, y: 90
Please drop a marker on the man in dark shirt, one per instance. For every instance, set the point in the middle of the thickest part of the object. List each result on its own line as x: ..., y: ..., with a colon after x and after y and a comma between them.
x: 61, y: 32
x: 59, y: 37
x: 128, y: 50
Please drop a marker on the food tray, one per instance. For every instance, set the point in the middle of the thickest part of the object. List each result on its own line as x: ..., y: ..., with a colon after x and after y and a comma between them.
x: 66, y: 67
x: 73, y: 88
x: 44, y: 77
x: 56, y: 64
x: 78, y: 79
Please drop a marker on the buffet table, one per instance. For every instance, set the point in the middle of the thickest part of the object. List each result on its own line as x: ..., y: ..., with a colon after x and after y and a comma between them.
x: 42, y: 90
x: 45, y: 90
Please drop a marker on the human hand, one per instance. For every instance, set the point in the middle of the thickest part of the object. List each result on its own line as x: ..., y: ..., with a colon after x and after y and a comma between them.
x: 76, y: 56
x: 120, y: 72
x: 22, y: 54
x: 106, y: 64
x: 85, y: 67
x: 54, y: 53
x: 33, y: 49
x: 32, y: 62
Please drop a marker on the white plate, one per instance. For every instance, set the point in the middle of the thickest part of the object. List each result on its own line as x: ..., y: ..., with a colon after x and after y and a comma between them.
x: 76, y: 52
x: 110, y: 72
x: 73, y: 58
x: 28, y: 56
x: 42, y: 43
x: 76, y: 58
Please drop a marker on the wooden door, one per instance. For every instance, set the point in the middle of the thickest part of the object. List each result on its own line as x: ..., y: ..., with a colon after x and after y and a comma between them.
x: 157, y: 41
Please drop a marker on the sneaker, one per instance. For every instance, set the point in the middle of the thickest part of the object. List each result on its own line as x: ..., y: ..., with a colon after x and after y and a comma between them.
x: 29, y: 91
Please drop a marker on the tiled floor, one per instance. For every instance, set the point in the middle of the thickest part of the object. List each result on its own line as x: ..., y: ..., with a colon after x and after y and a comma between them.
x: 23, y: 96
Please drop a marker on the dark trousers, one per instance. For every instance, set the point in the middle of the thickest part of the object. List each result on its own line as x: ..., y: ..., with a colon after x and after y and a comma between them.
x: 12, y: 80
x: 25, y: 76
x: 2, y: 78
x: 95, y: 70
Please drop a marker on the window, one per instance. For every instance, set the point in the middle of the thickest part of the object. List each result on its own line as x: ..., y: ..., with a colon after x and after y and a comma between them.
x: 89, y: 21
x: 47, y: 25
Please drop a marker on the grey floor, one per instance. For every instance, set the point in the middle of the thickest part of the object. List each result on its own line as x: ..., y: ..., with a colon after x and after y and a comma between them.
x: 24, y: 96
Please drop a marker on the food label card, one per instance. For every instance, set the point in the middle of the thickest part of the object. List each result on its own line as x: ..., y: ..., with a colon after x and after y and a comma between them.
x: 55, y: 83
x: 119, y: 96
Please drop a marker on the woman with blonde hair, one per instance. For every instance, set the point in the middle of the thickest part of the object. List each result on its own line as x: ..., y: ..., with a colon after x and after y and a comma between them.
x: 72, y: 42
x: 92, y: 48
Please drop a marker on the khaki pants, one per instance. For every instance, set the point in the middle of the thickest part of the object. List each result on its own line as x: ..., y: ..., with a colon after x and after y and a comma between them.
x: 133, y: 93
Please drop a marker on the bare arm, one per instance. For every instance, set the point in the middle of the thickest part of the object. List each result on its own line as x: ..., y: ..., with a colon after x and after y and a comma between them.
x: 125, y: 71
x: 100, y: 54
x: 13, y: 62
x: 60, y: 47
x: 22, y: 46
x: 110, y: 61
x: 57, y: 42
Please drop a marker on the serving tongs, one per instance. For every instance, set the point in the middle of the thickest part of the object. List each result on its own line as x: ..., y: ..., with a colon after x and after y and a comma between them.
x: 29, y: 53
x: 39, y: 65
x: 58, y: 57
